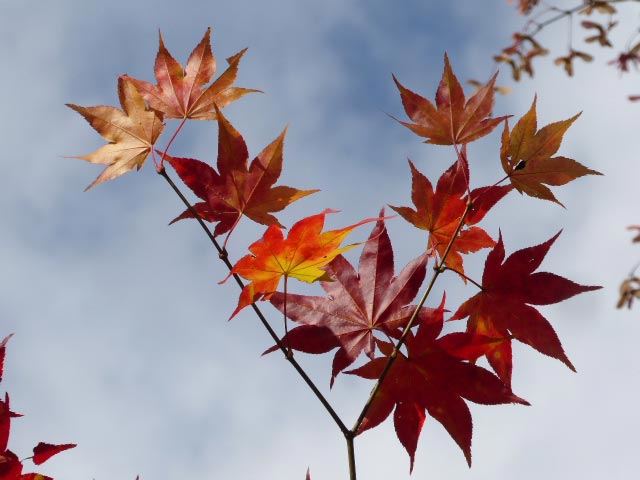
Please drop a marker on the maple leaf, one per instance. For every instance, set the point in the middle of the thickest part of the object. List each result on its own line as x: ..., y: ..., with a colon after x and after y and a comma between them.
x: 5, y: 422
x: 10, y: 466
x: 301, y: 255
x: 131, y: 132
x: 502, y: 310
x: 3, y: 350
x: 358, y: 303
x: 440, y: 212
x: 237, y: 188
x: 44, y: 451
x: 34, y: 476
x: 428, y: 379
x: 453, y: 120
x: 180, y: 93
x: 526, y: 155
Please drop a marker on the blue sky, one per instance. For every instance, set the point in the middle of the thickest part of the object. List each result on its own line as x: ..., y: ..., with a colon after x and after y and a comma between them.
x: 122, y: 343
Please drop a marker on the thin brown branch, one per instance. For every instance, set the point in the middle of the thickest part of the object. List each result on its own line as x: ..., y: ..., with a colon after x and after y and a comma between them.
x: 392, y: 358
x: 352, y: 455
x: 464, y: 276
x: 224, y: 257
x: 567, y: 12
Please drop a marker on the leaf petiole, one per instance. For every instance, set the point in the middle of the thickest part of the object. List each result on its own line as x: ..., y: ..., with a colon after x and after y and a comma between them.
x: 412, y: 320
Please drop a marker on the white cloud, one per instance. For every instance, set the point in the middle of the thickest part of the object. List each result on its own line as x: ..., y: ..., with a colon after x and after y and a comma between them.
x: 122, y: 343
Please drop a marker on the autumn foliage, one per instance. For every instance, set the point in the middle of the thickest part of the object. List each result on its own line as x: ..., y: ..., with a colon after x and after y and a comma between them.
x: 11, y: 467
x: 588, y: 21
x: 374, y: 313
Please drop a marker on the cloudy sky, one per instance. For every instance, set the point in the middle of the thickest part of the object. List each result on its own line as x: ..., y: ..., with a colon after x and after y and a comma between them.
x: 122, y: 343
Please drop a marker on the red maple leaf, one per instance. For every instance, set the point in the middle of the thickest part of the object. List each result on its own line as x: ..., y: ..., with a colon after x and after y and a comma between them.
x: 453, y: 120
x: 440, y: 212
x: 237, y: 189
x: 44, y: 451
x: 358, y: 303
x: 428, y: 379
x: 5, y: 422
x: 502, y: 310
x: 181, y: 92
x: 10, y: 466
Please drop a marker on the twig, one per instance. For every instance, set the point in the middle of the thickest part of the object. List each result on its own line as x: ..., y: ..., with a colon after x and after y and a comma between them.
x: 464, y: 276
x: 224, y: 257
x: 438, y: 270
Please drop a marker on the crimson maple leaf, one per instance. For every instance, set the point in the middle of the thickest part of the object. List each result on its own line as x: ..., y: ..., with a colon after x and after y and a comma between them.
x: 440, y: 212
x: 237, y: 188
x: 526, y: 156
x: 453, y: 120
x: 503, y: 311
x: 10, y: 466
x: 301, y: 255
x: 131, y: 132
x: 5, y: 422
x: 180, y: 93
x: 357, y: 303
x: 44, y: 451
x: 428, y: 379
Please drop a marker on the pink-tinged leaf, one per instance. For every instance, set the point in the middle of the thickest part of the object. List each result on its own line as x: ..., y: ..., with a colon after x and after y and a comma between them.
x: 358, y: 303
x: 453, y: 120
x: 181, y: 93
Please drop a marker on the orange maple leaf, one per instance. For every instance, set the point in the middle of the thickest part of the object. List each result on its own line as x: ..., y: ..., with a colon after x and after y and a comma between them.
x: 131, y: 132
x: 526, y: 156
x: 455, y: 120
x: 439, y: 212
x: 301, y: 255
x: 180, y: 93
